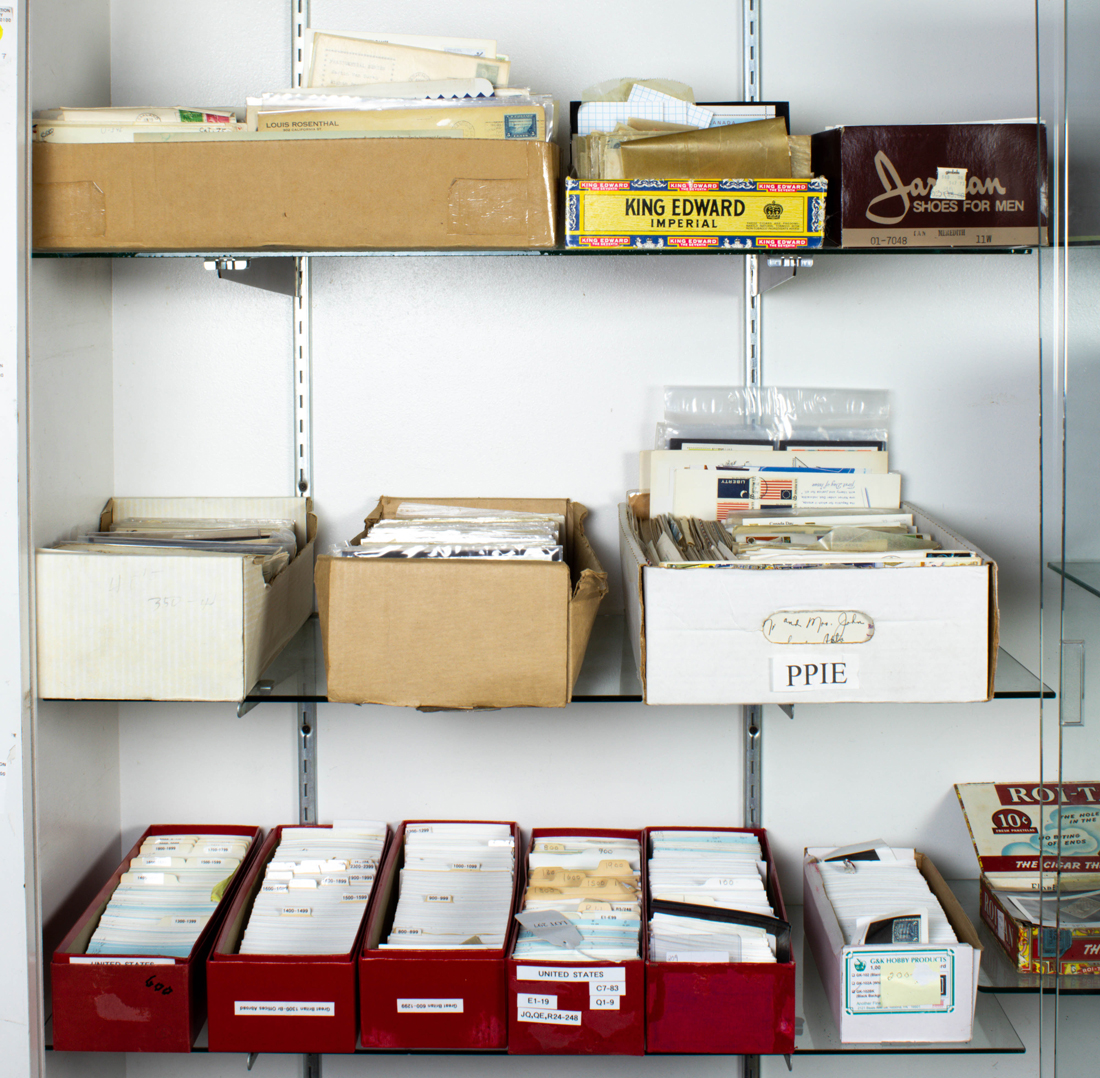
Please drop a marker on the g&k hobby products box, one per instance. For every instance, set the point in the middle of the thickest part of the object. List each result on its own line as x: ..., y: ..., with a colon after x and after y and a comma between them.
x: 1017, y: 829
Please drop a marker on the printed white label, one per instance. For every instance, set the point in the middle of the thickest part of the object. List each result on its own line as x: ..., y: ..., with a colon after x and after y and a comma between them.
x: 572, y: 973
x: 546, y: 1003
x: 287, y: 1009
x: 697, y: 956
x: 297, y: 911
x: 362, y: 862
x: 814, y: 673
x: 552, y: 1018
x: 950, y: 183
x: 157, y: 862
x: 502, y: 842
x: 355, y: 898
x: 818, y: 627
x: 439, y: 898
x: 604, y: 1002
x: 91, y: 960
x: 429, y: 1006
x: 269, y: 887
x: 606, y: 988
x: 216, y: 849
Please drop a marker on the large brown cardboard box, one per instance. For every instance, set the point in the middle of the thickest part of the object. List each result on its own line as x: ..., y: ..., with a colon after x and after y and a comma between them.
x: 339, y: 194
x: 460, y: 632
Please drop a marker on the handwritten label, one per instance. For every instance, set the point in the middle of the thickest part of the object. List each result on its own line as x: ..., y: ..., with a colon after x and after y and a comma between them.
x: 552, y: 926
x: 429, y: 1006
x: 158, y: 986
x: 818, y: 627
x: 697, y: 956
x: 284, y: 1008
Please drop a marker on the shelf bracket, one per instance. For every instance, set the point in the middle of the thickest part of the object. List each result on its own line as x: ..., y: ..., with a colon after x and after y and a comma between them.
x: 787, y: 709
x: 752, y: 718
x: 270, y: 274
x: 306, y: 718
x: 768, y: 272
x: 249, y: 702
x: 250, y: 1060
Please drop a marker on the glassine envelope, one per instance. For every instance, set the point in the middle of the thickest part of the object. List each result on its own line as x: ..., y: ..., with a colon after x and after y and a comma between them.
x: 348, y: 61
x: 745, y: 150
x: 714, y: 494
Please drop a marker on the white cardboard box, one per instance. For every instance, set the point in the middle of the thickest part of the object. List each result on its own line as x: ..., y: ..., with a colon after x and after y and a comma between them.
x: 171, y: 627
x: 862, y: 1005
x: 700, y: 636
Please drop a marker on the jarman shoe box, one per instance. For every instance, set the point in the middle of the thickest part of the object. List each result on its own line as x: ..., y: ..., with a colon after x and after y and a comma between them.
x: 282, y: 1002
x: 742, y: 636
x: 870, y: 1006
x: 736, y: 1008
x: 460, y: 632
x: 169, y: 626
x: 934, y: 185
x: 579, y: 1008
x: 137, y: 1003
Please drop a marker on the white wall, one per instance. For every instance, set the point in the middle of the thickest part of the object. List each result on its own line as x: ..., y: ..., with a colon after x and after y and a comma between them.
x: 542, y: 376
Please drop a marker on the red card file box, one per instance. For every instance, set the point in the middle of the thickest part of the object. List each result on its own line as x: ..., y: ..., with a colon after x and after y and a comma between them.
x: 578, y: 1022
x: 439, y: 1000
x: 120, y: 1003
x: 740, y: 1008
x: 280, y: 1003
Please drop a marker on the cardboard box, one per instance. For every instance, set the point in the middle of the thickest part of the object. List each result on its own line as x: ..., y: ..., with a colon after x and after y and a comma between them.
x: 851, y: 975
x: 460, y: 632
x: 767, y: 215
x: 700, y: 635
x: 119, y: 1003
x: 339, y: 194
x: 280, y: 1003
x: 568, y: 1015
x: 426, y: 999
x: 1014, y: 828
x: 934, y: 185
x: 169, y: 627
x: 737, y: 1008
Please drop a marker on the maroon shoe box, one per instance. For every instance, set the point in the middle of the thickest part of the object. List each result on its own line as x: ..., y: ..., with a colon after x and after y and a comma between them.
x: 556, y: 1008
x: 428, y: 999
x: 282, y: 1003
x: 739, y: 1008
x: 137, y: 1003
x: 934, y: 185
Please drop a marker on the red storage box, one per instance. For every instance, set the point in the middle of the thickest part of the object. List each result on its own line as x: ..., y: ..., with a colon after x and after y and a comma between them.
x: 436, y: 1000
x: 281, y: 1003
x: 139, y: 1003
x: 739, y: 1008
x: 595, y: 1030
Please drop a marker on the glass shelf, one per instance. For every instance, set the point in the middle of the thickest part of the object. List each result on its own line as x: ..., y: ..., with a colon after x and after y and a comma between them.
x: 481, y: 252
x: 1085, y: 574
x: 608, y: 674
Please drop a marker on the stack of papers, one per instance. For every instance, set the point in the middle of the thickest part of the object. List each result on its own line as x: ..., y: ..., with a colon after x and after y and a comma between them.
x: 721, y: 870
x: 315, y: 890
x: 455, y: 889
x: 880, y: 897
x: 125, y: 124
x: 171, y: 890
x: 431, y: 531
x: 583, y: 899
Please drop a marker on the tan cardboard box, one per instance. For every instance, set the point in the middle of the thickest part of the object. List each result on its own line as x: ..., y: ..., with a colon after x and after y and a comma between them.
x: 856, y: 978
x: 338, y: 194
x: 700, y: 636
x: 460, y: 633
x: 171, y: 626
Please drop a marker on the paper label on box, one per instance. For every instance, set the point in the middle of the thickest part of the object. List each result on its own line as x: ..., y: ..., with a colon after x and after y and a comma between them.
x: 549, y: 1017
x: 284, y: 1009
x: 950, y: 183
x: 429, y: 1006
x: 90, y: 960
x: 814, y: 673
x: 899, y: 980
x: 572, y: 973
x: 604, y: 1002
x: 546, y: 1003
